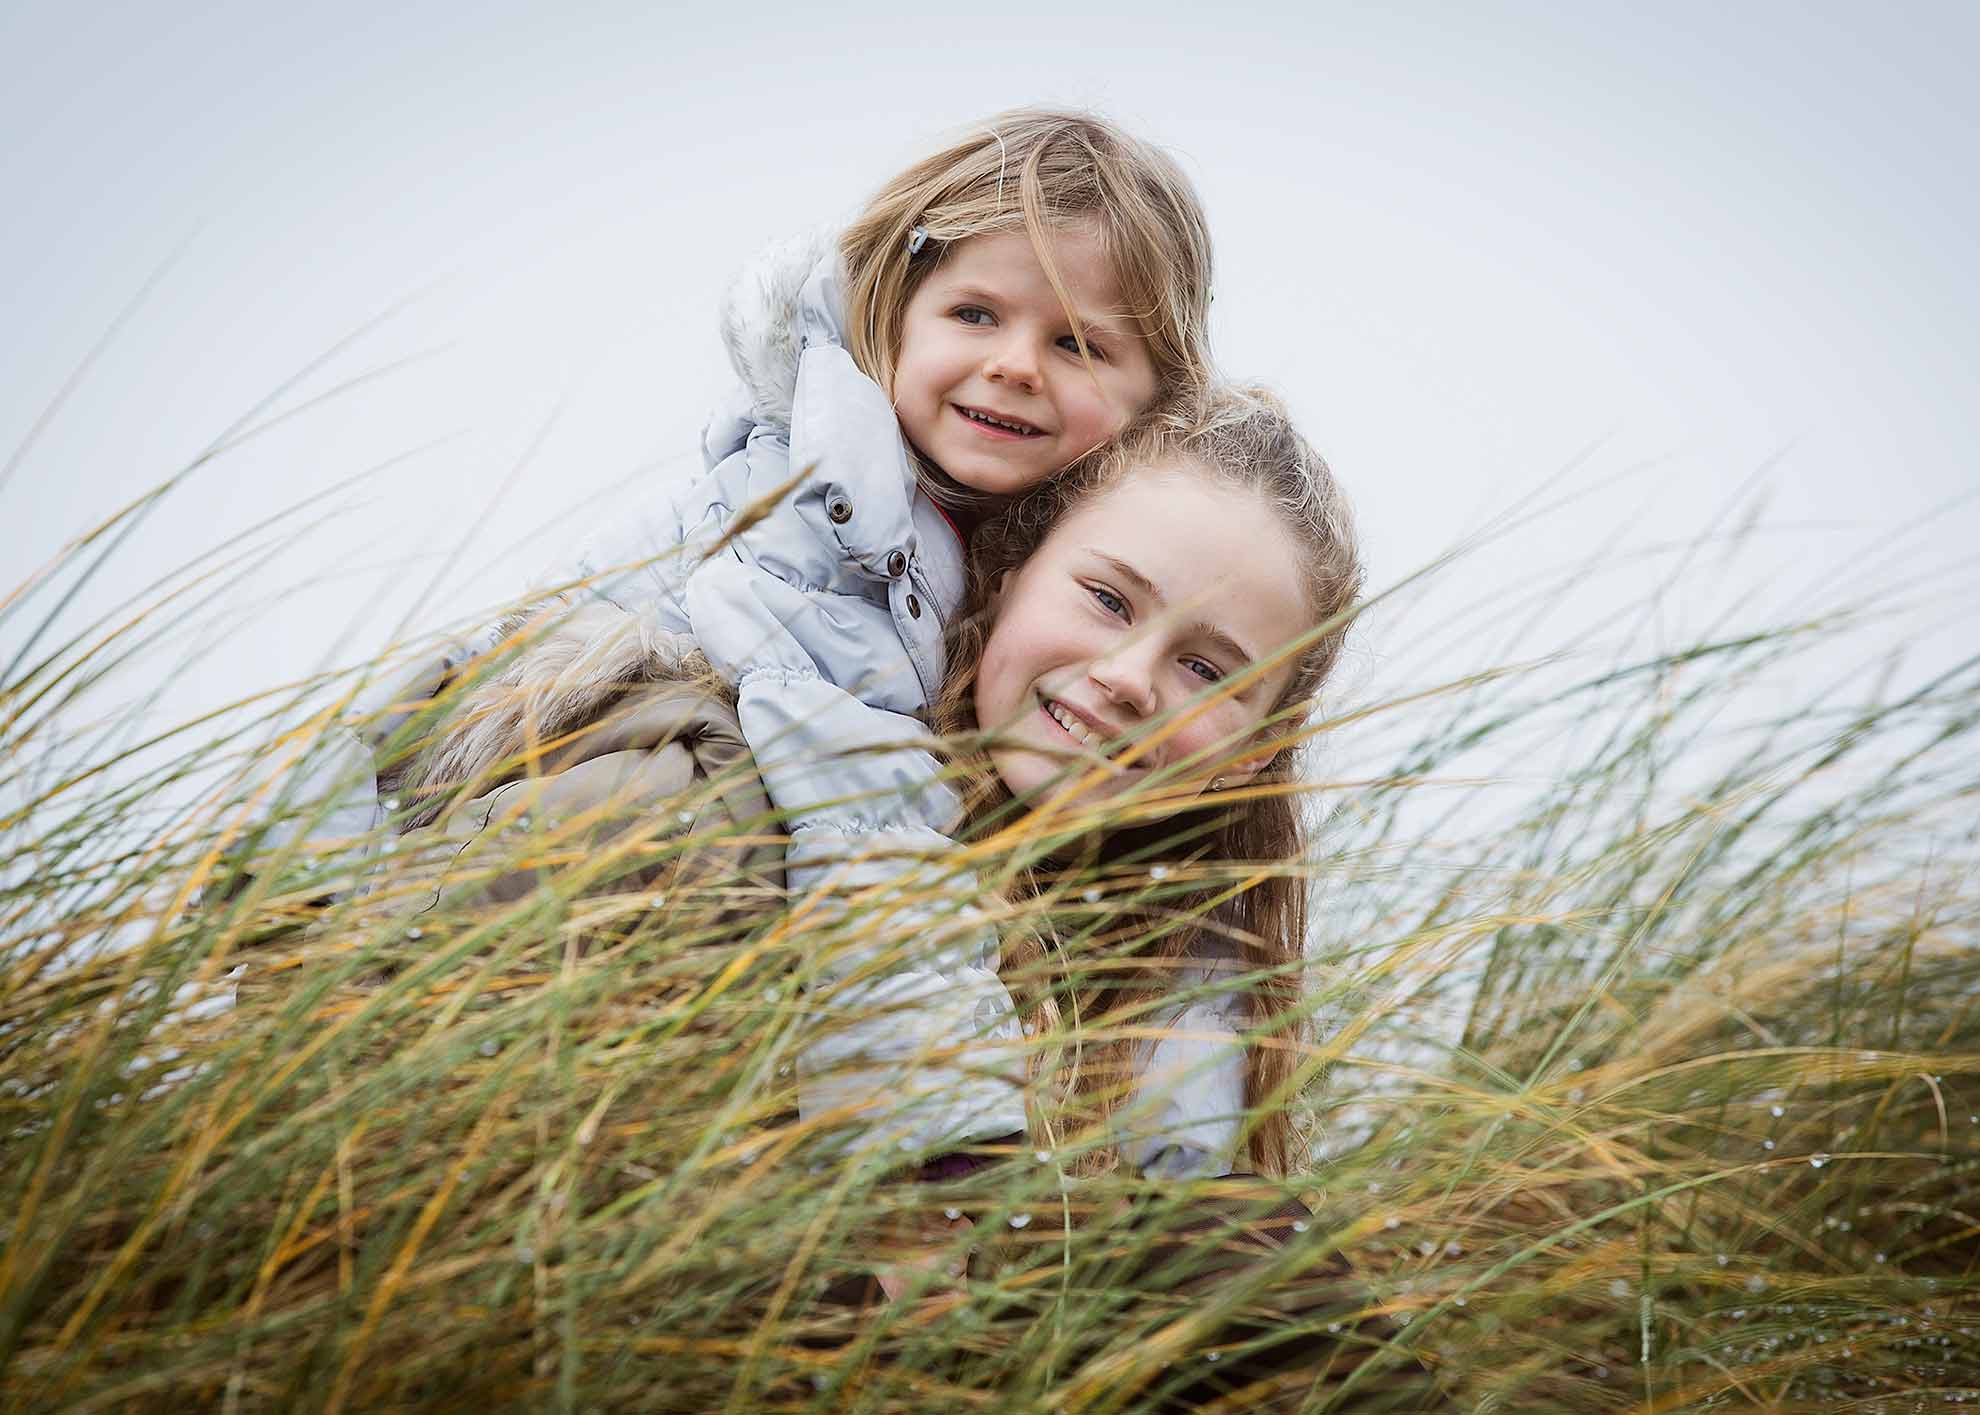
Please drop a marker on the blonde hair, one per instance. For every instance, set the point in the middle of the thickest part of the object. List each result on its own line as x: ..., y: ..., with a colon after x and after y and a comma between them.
x: 1035, y: 170
x: 1240, y: 436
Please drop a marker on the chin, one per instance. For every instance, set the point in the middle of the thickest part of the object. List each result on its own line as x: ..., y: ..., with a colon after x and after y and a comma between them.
x: 1039, y: 777
x: 1023, y: 772
x: 992, y: 481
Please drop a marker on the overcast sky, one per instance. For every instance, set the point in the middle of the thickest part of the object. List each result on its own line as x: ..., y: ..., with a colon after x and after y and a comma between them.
x: 1637, y: 253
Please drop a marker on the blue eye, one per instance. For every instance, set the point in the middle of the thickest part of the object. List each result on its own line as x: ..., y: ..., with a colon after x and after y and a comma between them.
x: 974, y: 316
x: 1071, y: 346
x: 1208, y: 672
x: 1110, y: 601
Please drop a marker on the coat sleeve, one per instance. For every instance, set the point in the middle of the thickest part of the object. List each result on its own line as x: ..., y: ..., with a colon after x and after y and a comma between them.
x: 920, y: 1045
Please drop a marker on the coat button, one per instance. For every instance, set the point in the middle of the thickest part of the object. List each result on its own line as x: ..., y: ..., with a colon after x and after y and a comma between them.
x: 897, y: 564
x: 839, y: 509
x: 914, y: 607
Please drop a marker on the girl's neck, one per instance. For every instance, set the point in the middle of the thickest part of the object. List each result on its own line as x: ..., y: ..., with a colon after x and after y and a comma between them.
x: 965, y: 507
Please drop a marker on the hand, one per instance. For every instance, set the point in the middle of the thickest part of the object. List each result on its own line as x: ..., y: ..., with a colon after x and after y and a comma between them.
x: 928, y: 1241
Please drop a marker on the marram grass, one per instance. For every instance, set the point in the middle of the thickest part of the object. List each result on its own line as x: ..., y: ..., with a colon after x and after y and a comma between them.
x: 1648, y: 1080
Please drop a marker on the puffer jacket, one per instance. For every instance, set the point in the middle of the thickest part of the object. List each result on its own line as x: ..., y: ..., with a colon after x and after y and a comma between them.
x: 817, y: 578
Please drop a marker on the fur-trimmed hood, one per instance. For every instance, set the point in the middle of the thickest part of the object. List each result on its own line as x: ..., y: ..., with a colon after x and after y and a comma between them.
x: 786, y: 296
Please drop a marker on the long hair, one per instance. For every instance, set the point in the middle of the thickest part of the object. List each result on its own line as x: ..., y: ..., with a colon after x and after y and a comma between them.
x: 1036, y: 170
x: 1240, y: 436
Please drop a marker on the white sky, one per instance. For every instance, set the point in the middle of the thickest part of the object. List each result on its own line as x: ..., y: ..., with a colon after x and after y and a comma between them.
x: 1468, y: 242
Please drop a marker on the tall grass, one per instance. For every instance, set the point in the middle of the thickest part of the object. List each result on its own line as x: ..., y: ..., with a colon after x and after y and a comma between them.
x: 1645, y: 1078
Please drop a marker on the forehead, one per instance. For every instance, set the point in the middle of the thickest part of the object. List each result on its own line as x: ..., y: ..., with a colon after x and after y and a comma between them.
x: 1216, y: 552
x: 1008, y: 260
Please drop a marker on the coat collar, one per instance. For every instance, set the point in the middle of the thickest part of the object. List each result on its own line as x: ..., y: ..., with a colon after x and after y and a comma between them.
x: 786, y: 297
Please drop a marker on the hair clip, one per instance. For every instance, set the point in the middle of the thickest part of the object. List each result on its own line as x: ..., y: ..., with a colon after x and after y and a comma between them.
x: 917, y: 238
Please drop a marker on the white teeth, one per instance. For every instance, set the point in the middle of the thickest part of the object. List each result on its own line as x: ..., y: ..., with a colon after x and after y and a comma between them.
x: 997, y: 422
x: 1076, y: 729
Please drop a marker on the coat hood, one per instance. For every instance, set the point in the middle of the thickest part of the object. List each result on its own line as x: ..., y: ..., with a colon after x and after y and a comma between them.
x: 771, y: 309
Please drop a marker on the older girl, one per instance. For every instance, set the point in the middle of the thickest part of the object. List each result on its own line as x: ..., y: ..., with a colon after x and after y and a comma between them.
x: 1140, y: 646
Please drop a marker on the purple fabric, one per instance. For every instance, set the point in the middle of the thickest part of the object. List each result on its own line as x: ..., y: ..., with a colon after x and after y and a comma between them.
x: 957, y: 1163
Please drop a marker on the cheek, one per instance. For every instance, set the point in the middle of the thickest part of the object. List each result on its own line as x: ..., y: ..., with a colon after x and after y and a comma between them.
x: 994, y: 686
x: 1219, y: 732
x: 1094, y: 416
x: 1090, y: 418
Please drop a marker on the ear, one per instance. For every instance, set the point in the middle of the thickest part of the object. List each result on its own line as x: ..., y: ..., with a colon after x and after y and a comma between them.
x: 998, y: 582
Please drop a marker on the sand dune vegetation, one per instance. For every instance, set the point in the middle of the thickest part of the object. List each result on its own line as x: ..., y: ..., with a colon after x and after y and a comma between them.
x: 1646, y: 1078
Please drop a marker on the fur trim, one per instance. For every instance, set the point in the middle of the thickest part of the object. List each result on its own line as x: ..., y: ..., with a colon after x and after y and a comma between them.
x: 761, y: 327
x: 555, y: 684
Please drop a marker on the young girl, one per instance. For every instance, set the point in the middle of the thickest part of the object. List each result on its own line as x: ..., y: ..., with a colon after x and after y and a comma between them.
x: 995, y: 314
x: 1175, y: 604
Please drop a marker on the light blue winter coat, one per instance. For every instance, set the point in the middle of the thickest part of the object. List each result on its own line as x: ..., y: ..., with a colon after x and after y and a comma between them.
x: 827, y: 615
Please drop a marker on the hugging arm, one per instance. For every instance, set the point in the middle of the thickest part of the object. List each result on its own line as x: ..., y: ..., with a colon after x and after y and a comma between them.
x: 920, y: 1046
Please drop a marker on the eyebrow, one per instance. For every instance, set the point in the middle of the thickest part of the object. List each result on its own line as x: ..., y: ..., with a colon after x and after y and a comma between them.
x: 1202, y: 627
x: 1090, y: 325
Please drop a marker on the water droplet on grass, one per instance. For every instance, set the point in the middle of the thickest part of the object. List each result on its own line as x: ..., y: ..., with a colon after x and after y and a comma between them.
x: 1766, y: 1144
x: 1776, y: 1112
x: 1092, y: 896
x: 1817, y: 1161
x: 1299, y: 1225
x: 952, y: 1214
x: 1020, y: 1220
x: 1042, y: 1156
x: 1159, y: 872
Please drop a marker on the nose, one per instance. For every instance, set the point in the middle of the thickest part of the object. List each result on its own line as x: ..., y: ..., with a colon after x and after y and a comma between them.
x: 1127, y: 677
x: 1012, y: 360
